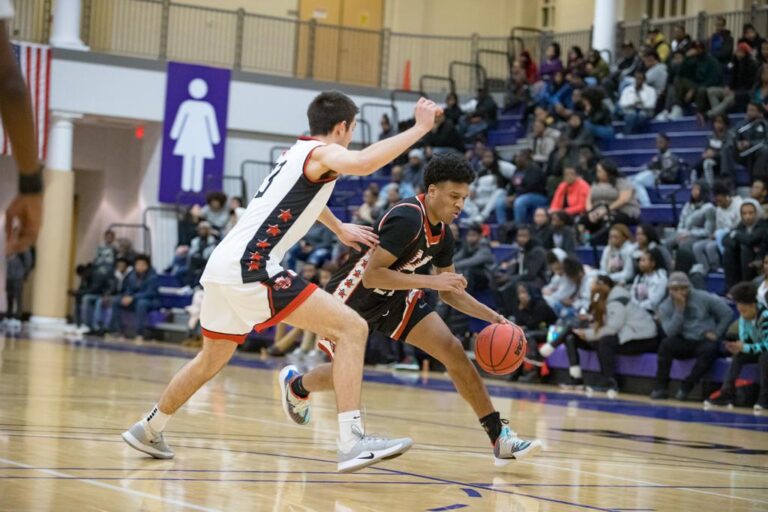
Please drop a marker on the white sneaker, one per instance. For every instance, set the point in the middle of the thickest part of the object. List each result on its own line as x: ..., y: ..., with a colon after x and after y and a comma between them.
x: 509, y: 447
x: 676, y: 113
x: 371, y: 449
x: 662, y: 116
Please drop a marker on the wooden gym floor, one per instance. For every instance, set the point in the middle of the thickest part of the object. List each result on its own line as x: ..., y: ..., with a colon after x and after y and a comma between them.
x: 64, y: 404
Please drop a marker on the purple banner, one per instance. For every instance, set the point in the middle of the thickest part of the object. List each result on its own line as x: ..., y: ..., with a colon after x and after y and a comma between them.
x: 194, y: 131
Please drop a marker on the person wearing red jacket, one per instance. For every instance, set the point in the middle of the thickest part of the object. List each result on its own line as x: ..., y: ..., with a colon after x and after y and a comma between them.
x: 571, y: 195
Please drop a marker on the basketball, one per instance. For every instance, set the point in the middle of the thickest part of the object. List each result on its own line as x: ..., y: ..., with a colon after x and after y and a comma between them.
x: 500, y: 348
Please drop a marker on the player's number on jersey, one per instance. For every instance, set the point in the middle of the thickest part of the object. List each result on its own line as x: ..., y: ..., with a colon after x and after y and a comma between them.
x: 268, y: 182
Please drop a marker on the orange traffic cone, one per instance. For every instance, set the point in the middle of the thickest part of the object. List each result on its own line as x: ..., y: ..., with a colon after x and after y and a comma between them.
x: 407, y: 76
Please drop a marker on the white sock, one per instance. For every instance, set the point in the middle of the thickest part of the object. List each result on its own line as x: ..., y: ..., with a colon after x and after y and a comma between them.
x: 348, y: 435
x: 156, y: 419
x: 575, y: 372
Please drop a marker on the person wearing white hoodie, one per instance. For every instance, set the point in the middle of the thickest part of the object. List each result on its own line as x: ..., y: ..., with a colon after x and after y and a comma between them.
x: 560, y: 289
x: 617, y: 260
x: 650, y: 285
x: 727, y: 216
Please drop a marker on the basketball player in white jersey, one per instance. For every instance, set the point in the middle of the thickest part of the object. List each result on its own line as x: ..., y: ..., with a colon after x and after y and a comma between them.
x: 16, y: 108
x: 247, y: 288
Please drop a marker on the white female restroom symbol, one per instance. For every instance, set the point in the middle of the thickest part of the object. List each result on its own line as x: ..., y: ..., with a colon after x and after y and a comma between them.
x: 196, y: 132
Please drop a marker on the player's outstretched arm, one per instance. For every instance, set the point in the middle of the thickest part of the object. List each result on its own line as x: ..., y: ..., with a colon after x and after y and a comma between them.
x: 352, y: 235
x: 467, y: 304
x: 374, y: 157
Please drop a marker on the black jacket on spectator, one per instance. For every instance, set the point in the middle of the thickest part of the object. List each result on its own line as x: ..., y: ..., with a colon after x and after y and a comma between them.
x: 743, y: 74
x: 600, y: 116
x: 563, y: 238
x: 453, y: 113
x: 721, y: 46
x: 702, y: 70
x: 536, y: 317
x: 487, y: 109
x: 530, y: 179
x: 581, y: 137
x: 445, y: 136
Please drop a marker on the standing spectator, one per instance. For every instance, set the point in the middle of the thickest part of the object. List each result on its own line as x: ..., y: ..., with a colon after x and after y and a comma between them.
x: 443, y: 138
x: 215, y: 210
x: 368, y: 212
x: 751, y: 36
x: 752, y: 138
x: 681, y: 41
x: 721, y: 43
x: 414, y: 169
x: 751, y: 347
x: 693, y: 321
x: 544, y: 141
x: 598, y: 117
x: 452, y: 109
x: 650, y: 285
x: 398, y: 183
x: 717, y: 160
x: 482, y: 118
x: 727, y: 216
x: 647, y: 239
x: 386, y: 127
x: 572, y: 194
x: 474, y: 260
x: 561, y: 234
x: 489, y: 188
x: 616, y: 260
x: 596, y: 68
x: 106, y: 253
x: 611, y: 200
x: 551, y: 63
x: 18, y: 266
x: 656, y: 72
x: 200, y: 249
x: 528, y: 186
x: 658, y: 42
x: 139, y: 295
x: 745, y: 246
x: 637, y: 105
x: 663, y: 168
x: 743, y: 75
x: 528, y: 265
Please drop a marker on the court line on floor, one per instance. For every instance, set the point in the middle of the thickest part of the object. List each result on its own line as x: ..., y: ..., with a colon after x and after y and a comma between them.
x: 111, y: 487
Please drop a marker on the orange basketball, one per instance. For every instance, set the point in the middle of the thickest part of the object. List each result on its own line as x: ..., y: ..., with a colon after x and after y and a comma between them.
x: 500, y: 348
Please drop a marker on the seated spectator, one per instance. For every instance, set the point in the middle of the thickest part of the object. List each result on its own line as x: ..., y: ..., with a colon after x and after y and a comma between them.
x: 393, y: 197
x: 443, y: 138
x: 528, y: 265
x: 452, y: 110
x: 650, y: 284
x: 572, y: 194
x: 540, y: 228
x: 761, y: 282
x: 386, y: 127
x: 544, y: 141
x: 482, y: 118
x: 717, y: 162
x: 611, y: 200
x: 596, y: 68
x: 551, y: 63
x: 759, y: 192
x: 316, y: 247
x: 751, y: 36
x: 745, y: 246
x: 474, y: 260
x: 200, y: 250
x: 721, y: 43
x: 698, y: 72
x: 106, y: 253
x: 414, y: 169
x: 743, y: 72
x: 637, y: 105
x: 396, y: 182
x: 534, y: 316
x: 102, y: 312
x: 215, y: 210
x: 658, y: 42
x: 694, y: 321
x: 563, y: 155
x: 139, y: 294
x: 529, y: 66
x: 751, y: 347
x: 629, y: 62
x: 647, y: 239
x: 696, y: 223
x: 681, y: 41
x: 752, y: 139
x: 663, y: 168
x: 559, y: 291
x: 656, y: 73
x: 575, y: 62
x: 578, y: 132
x: 616, y: 261
x: 586, y: 165
x: 187, y: 224
x: 125, y: 250
x: 516, y: 88
x: 618, y: 326
x: 236, y: 211
x: 528, y: 186
x: 727, y: 216
x: 101, y: 284
x: 489, y: 188
x: 561, y: 234
x: 598, y: 118
x: 557, y: 92
x: 368, y: 212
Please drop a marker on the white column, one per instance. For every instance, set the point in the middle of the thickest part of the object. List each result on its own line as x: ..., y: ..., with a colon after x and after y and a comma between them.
x: 66, y: 25
x: 61, y: 139
x: 604, y: 27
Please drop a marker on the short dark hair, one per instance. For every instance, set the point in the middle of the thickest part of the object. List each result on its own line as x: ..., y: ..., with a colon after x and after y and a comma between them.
x: 144, y: 258
x: 328, y: 109
x: 448, y: 167
x: 663, y: 136
x: 744, y: 293
x: 657, y: 258
x: 477, y: 228
x: 122, y: 260
x: 720, y: 188
x: 651, y: 53
x: 572, y: 267
x: 606, y: 280
x: 221, y: 197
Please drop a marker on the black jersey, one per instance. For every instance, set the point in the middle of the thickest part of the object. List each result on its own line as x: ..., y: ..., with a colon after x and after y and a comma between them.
x: 404, y: 231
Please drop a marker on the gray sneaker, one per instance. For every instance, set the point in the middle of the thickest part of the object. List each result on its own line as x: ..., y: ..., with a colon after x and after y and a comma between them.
x: 296, y: 409
x: 509, y: 447
x: 140, y: 437
x: 371, y: 449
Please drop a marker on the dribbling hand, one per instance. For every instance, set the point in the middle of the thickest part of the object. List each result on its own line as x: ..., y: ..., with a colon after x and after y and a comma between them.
x: 424, y: 114
x: 449, y: 282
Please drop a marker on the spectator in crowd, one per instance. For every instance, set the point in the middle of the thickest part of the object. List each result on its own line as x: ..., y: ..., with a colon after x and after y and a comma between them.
x: 596, y: 68
x: 751, y: 347
x: 696, y: 223
x: 529, y: 66
x: 656, y: 73
x: 139, y: 294
x: 452, y: 110
x: 759, y: 192
x: 106, y: 253
x: 187, y: 223
x: 745, y: 246
x: 717, y: 160
x: 215, y: 210
x: 414, y: 169
x: 557, y: 92
x: 84, y: 273
x: 762, y: 56
x: 474, y: 260
x: 516, y: 88
x: 761, y: 282
x: 102, y: 312
x: 586, y: 163
x: 533, y: 315
x: 611, y: 200
x: 368, y: 212
x: 528, y: 186
x: 488, y: 190
x: 629, y: 62
x: 561, y: 234
x: 647, y: 239
x: 544, y: 141
x: 527, y: 265
x: 386, y: 127
x: 179, y: 267
x: 658, y: 43
x: 540, y: 228
x: 572, y: 194
x: 443, y: 138
x: 727, y: 216
x: 563, y: 155
x: 578, y: 132
x: 681, y: 41
x: 616, y: 260
x: 698, y: 72
x: 663, y: 168
x: 482, y: 118
x: 393, y: 197
x: 236, y: 211
x: 559, y: 291
x: 751, y: 36
x: 743, y: 72
x: 694, y: 321
x: 551, y: 63
x: 101, y: 284
x: 474, y: 156
x: 125, y: 250
x: 575, y: 62
x: 316, y: 247
x: 650, y: 284
x: 396, y: 183
x: 721, y: 43
x: 18, y: 266
x: 200, y: 250
x: 637, y: 104
x: 752, y: 139
x: 618, y: 326
x: 598, y: 118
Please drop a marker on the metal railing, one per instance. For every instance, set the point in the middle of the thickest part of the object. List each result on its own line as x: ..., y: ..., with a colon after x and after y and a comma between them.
x: 173, y: 30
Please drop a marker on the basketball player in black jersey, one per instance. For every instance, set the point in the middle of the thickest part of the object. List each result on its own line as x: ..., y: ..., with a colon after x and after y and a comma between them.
x: 381, y: 285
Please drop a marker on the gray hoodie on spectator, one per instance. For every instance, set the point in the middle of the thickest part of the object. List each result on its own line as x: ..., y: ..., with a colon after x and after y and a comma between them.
x: 624, y: 318
x: 704, y: 312
x: 697, y: 219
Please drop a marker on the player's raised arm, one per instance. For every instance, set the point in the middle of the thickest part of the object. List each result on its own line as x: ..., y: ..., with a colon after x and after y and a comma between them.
x: 338, y: 159
x: 464, y: 302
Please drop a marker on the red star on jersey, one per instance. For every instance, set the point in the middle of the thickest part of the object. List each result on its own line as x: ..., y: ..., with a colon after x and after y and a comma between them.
x: 263, y: 244
x: 255, y: 263
x: 342, y: 293
x: 285, y: 215
x: 364, y: 263
x: 348, y: 283
x: 357, y: 273
x: 273, y: 230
